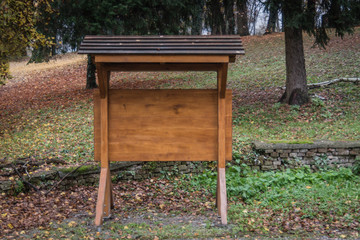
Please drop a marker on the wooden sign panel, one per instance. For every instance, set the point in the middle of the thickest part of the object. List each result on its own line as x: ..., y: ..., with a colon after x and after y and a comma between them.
x: 163, y: 125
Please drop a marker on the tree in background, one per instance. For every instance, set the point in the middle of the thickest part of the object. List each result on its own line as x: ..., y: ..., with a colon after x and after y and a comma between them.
x: 33, y: 23
x: 18, y: 19
x: 229, y: 14
x: 197, y: 16
x: 273, y: 8
x: 226, y: 17
x: 255, y: 8
x: 242, y: 17
x: 314, y: 17
x: 73, y: 19
x: 214, y: 17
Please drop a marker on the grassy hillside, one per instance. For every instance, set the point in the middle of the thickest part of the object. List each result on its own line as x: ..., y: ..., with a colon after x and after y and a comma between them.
x: 257, y: 77
x: 46, y: 112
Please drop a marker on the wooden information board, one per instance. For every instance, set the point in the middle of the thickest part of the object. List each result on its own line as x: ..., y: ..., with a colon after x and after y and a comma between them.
x: 161, y: 124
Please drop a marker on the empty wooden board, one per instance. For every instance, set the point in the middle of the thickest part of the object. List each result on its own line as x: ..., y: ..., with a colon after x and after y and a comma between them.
x: 163, y: 125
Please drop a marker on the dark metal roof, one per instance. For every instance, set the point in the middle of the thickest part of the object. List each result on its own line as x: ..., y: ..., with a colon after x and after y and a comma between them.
x: 167, y: 45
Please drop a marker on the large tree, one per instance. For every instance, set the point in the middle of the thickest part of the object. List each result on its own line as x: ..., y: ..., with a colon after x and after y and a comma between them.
x: 18, y: 31
x: 314, y: 17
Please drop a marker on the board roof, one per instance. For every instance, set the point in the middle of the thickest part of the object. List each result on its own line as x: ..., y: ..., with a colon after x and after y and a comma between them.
x: 230, y: 45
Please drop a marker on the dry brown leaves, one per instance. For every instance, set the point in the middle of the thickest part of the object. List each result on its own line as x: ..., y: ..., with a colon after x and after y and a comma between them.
x: 33, y: 209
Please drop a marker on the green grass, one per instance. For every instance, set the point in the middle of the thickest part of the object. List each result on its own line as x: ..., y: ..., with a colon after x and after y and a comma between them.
x: 65, y: 133
x: 293, y: 201
x: 262, y: 70
x: 331, y: 120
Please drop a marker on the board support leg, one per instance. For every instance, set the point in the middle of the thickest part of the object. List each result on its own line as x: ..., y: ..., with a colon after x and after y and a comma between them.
x: 111, y: 195
x: 221, y: 196
x: 105, y: 198
x: 108, y: 197
x: 221, y: 180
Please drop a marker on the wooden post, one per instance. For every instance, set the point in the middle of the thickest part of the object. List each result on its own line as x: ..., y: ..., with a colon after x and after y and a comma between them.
x: 222, y: 79
x: 104, y: 200
x: 221, y: 181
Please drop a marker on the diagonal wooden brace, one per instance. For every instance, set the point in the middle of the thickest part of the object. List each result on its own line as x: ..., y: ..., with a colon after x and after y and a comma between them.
x: 104, y: 201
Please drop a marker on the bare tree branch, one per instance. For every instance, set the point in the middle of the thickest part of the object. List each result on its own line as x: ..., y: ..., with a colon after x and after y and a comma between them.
x: 56, y: 184
x: 22, y: 179
x: 330, y: 82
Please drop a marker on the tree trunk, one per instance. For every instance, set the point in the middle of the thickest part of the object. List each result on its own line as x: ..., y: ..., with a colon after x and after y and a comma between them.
x: 90, y: 75
x: 242, y: 18
x: 197, y: 17
x: 296, y: 92
x: 217, y: 22
x: 273, y: 17
x: 229, y: 16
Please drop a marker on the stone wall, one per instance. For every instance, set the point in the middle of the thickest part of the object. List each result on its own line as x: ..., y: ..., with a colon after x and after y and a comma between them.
x: 320, y: 154
x: 269, y: 156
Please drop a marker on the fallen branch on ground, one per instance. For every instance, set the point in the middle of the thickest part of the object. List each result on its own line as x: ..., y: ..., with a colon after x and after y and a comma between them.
x: 56, y: 184
x: 330, y: 82
x: 23, y: 180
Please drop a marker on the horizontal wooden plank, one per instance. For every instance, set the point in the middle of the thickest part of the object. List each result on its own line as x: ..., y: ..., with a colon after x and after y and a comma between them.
x: 160, y: 122
x: 186, y: 156
x: 163, y: 148
x: 161, y: 59
x: 160, y: 48
x: 88, y: 37
x: 151, y: 156
x: 161, y: 125
x: 167, y: 135
x: 174, y: 103
x: 164, y: 52
x: 86, y: 44
x: 157, y: 67
x: 165, y: 41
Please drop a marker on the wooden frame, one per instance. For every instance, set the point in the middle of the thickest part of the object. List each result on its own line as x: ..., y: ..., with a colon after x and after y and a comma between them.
x: 104, y: 101
x: 162, y: 58
x: 205, y: 115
